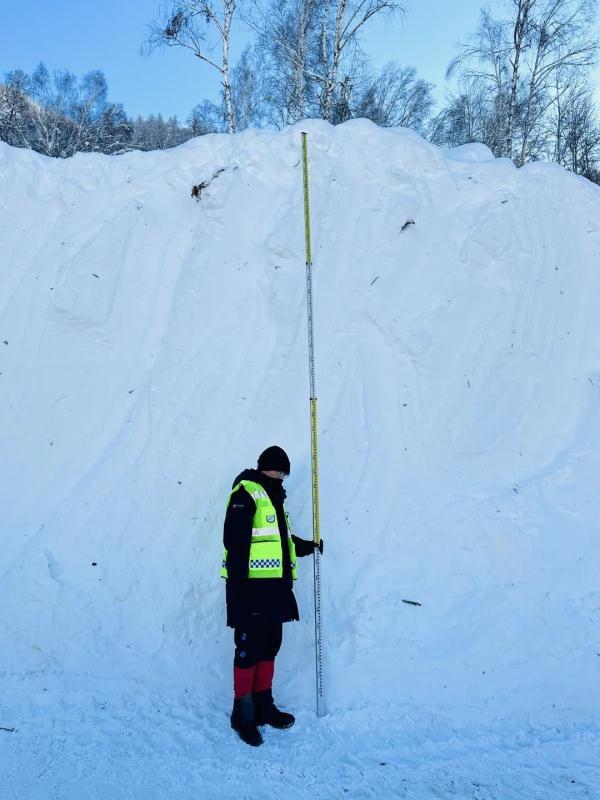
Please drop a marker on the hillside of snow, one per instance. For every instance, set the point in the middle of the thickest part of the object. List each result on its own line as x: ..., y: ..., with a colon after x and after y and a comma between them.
x: 152, y: 345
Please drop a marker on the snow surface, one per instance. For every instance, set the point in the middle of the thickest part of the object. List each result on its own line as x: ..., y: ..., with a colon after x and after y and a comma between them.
x: 151, y: 346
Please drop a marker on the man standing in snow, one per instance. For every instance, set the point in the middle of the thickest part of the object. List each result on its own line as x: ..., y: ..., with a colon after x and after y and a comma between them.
x: 259, y: 564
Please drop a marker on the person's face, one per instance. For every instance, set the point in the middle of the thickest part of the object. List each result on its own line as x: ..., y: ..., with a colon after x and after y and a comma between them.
x: 275, y: 473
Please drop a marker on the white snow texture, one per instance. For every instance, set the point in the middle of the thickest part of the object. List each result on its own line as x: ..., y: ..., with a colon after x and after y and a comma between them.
x: 152, y: 345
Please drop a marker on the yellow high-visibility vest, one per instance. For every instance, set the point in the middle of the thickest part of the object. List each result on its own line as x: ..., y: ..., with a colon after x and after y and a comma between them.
x: 266, y: 556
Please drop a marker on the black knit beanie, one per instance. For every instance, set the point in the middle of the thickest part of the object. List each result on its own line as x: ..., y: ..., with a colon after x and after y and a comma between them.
x: 274, y: 458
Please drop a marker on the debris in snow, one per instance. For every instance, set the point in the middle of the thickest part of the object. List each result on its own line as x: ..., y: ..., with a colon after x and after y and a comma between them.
x: 197, y: 189
x: 412, y: 603
x: 407, y: 224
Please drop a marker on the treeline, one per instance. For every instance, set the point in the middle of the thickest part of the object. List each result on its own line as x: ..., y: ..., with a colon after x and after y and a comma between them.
x: 523, y: 78
x: 59, y: 115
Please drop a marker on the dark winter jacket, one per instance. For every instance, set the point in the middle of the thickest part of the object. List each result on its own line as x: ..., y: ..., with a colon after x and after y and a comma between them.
x: 256, y: 599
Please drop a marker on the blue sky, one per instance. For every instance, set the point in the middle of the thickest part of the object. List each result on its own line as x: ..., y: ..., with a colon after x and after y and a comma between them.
x: 106, y: 34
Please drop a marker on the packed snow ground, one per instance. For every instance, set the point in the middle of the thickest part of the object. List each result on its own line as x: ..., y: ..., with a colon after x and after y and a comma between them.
x: 151, y: 346
x: 129, y: 743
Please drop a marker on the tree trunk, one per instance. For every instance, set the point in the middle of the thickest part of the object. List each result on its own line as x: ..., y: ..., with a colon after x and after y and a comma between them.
x: 298, y: 110
x: 227, y: 20
x: 337, y: 47
x: 530, y: 98
x: 325, y: 54
x: 559, y: 120
x: 519, y: 33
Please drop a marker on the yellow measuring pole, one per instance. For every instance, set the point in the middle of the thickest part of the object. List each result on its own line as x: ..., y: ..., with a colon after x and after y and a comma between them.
x: 321, y: 708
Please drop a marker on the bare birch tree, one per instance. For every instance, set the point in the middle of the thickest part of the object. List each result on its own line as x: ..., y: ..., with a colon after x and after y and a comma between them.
x: 313, y: 52
x: 285, y: 55
x: 561, y: 43
x: 516, y: 60
x: 396, y: 98
x: 575, y: 129
x: 470, y: 116
x: 342, y: 22
x: 247, y: 91
x: 195, y: 25
x: 483, y: 65
x: 520, y: 31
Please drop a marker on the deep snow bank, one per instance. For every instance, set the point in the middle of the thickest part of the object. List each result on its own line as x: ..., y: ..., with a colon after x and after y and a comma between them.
x: 151, y: 346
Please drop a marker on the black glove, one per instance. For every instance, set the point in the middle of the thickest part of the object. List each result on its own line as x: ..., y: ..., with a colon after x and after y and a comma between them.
x: 319, y: 546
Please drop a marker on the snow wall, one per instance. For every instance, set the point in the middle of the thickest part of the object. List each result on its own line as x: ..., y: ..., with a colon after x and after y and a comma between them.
x: 151, y: 346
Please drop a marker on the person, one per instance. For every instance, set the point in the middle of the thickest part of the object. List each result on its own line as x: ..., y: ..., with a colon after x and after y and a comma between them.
x: 259, y: 565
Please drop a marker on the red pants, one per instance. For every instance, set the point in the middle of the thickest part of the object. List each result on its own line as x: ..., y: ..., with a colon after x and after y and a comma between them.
x: 256, y: 646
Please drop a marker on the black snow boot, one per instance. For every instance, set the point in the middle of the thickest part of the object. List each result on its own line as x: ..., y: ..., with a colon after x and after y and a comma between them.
x: 242, y: 721
x: 267, y: 713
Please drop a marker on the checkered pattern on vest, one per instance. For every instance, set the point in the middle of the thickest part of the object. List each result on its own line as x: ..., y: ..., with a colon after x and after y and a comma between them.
x: 265, y: 563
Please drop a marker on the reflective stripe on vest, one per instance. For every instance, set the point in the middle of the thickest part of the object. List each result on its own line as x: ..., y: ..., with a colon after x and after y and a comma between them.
x: 266, y: 558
